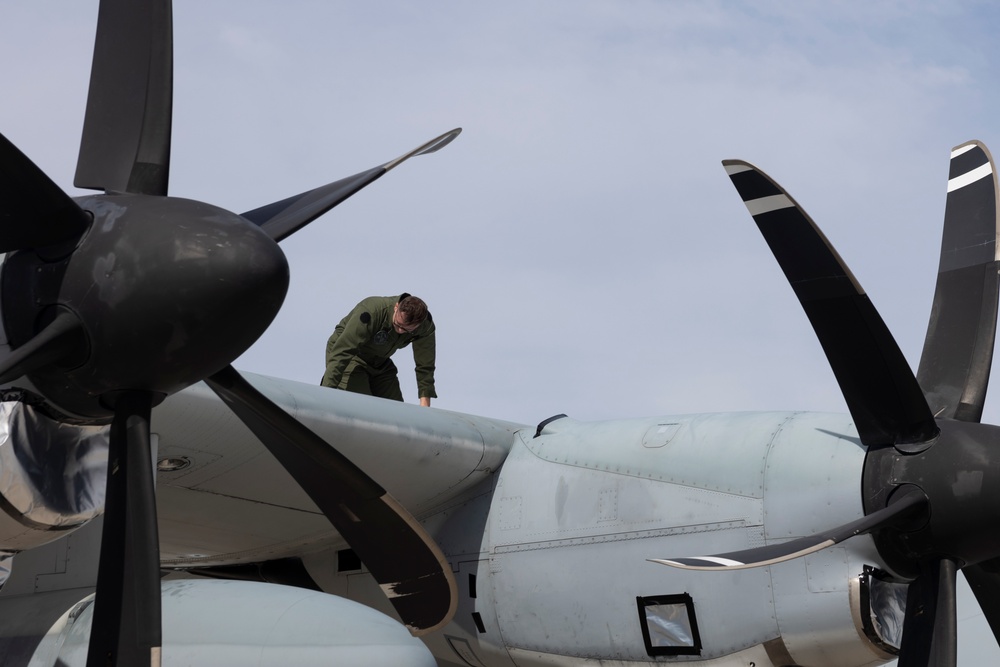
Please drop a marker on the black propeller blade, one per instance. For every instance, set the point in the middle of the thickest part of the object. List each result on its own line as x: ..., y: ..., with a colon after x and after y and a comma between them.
x: 126, y: 626
x: 420, y: 585
x: 884, y: 398
x: 984, y: 579
x: 906, y: 509
x: 126, y: 131
x: 930, y: 633
x: 62, y: 340
x: 283, y: 218
x: 958, y: 349
x: 34, y: 211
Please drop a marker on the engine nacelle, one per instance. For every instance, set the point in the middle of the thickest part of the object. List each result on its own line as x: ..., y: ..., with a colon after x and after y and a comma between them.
x: 580, y: 507
x: 552, y: 558
x: 221, y: 624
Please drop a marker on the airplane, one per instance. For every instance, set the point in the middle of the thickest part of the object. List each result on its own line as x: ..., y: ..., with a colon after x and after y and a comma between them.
x: 534, y: 543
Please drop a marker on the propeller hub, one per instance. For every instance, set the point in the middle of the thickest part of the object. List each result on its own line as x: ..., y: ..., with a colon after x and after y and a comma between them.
x: 168, y: 291
x: 960, y: 475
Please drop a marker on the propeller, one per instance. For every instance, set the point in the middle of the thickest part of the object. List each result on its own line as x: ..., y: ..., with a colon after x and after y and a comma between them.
x: 125, y: 145
x: 958, y: 348
x: 28, y: 194
x: 113, y: 301
x: 420, y: 586
x: 283, y: 218
x: 905, y: 507
x: 931, y: 483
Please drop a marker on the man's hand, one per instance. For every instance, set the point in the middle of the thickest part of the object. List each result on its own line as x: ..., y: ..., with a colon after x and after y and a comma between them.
x: 425, y: 401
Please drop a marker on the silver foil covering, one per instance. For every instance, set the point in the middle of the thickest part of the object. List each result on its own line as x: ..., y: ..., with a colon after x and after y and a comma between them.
x: 52, y: 475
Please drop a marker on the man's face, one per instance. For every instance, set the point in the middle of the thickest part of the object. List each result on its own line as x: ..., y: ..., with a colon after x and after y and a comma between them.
x: 400, y: 323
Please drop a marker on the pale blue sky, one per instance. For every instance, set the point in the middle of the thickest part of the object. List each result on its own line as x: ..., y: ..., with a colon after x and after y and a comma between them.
x: 580, y: 245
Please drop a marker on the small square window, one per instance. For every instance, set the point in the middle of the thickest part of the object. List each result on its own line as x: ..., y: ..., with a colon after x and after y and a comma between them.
x: 669, y: 626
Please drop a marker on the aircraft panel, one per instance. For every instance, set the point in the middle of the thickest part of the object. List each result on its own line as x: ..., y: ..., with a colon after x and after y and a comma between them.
x: 816, y: 600
x: 569, y: 543
x: 205, y: 528
x: 581, y: 601
x: 739, y: 444
x: 820, y: 455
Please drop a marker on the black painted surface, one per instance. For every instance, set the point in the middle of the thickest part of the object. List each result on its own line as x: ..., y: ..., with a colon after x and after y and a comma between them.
x: 125, y: 145
x: 283, y: 218
x: 168, y: 291
x: 958, y: 348
x: 882, y: 394
x: 35, y: 212
x: 421, y: 587
x: 127, y: 616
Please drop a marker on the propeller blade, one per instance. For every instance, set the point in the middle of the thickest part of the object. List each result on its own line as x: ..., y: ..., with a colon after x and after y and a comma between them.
x: 126, y: 131
x: 930, y: 631
x: 34, y: 212
x: 908, y: 505
x: 884, y: 398
x: 283, y: 218
x: 127, y: 625
x: 402, y: 557
x: 63, y: 340
x: 954, y: 368
x: 984, y: 579
x: 426, y: 148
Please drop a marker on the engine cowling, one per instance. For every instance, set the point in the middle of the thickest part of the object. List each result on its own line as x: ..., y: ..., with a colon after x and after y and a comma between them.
x: 227, y: 623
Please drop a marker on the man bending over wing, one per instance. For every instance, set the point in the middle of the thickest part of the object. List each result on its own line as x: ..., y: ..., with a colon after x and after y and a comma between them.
x: 359, y: 350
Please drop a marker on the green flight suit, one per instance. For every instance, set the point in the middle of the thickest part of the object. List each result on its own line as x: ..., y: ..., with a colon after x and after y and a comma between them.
x: 358, y: 351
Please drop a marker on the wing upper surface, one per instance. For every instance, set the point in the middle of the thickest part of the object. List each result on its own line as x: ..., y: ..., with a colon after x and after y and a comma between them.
x: 423, y: 457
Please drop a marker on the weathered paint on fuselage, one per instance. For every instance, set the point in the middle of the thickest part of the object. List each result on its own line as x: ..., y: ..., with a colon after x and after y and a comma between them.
x: 553, y: 541
x: 552, y: 555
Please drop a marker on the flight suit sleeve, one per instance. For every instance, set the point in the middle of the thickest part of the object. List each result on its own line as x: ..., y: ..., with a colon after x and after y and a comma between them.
x: 423, y: 364
x: 341, y: 349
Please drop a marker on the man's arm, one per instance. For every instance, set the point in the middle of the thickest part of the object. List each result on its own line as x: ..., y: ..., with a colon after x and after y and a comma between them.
x: 423, y: 365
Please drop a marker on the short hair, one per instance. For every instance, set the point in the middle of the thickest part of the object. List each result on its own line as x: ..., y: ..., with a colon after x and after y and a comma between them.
x: 413, y: 308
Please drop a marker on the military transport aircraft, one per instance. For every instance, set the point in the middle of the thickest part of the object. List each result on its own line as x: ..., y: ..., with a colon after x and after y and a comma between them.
x: 302, y: 525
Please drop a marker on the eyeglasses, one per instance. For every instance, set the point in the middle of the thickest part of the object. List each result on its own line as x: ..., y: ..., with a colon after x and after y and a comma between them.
x: 405, y: 328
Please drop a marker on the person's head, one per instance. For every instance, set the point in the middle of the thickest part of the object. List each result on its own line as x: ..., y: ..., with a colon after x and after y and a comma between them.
x: 408, y: 314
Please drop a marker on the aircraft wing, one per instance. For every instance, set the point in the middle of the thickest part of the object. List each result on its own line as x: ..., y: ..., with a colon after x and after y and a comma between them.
x: 222, y: 498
